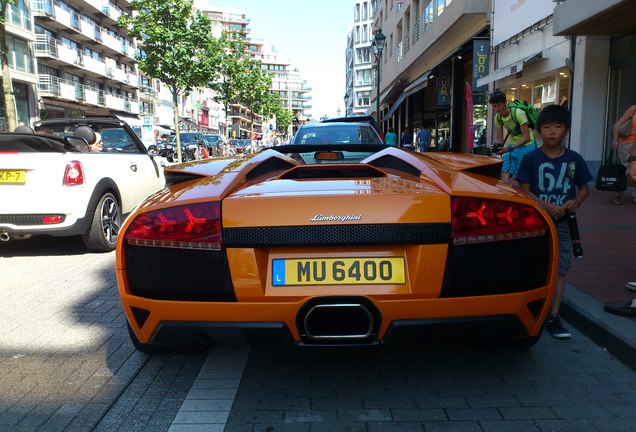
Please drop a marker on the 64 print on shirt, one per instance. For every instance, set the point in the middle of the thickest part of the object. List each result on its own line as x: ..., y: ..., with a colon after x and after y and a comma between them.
x: 554, y: 180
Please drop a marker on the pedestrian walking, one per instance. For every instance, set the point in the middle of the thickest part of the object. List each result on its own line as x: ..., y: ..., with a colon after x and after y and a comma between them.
x: 556, y: 177
x: 424, y: 138
x: 407, y: 139
x: 391, y: 137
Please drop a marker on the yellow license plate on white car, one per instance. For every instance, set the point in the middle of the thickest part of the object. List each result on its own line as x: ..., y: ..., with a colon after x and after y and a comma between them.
x: 338, y: 271
x: 12, y: 177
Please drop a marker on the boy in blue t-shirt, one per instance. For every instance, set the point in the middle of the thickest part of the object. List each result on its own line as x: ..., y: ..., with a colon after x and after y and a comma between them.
x: 557, y: 178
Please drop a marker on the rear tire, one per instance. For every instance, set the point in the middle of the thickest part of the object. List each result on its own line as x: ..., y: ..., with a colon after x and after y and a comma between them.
x: 104, y: 231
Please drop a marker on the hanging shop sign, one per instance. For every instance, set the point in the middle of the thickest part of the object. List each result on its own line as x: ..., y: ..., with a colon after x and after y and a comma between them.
x: 443, y: 85
x: 481, y: 63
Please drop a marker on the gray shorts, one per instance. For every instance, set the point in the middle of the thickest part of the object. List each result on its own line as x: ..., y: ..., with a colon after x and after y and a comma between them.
x: 565, y: 246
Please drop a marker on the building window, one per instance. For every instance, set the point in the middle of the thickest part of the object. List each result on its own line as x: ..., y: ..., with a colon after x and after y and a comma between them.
x: 364, y: 77
x: 363, y: 98
x: 363, y: 55
x: 429, y: 13
x: 20, y: 57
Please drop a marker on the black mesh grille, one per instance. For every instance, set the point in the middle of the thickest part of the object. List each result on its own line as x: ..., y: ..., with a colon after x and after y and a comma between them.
x: 496, y: 268
x: 337, y: 235
x: 178, y: 274
x: 21, y: 220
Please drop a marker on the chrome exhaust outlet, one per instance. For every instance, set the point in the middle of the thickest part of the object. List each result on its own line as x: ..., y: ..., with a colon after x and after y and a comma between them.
x: 338, y: 321
x: 5, y: 236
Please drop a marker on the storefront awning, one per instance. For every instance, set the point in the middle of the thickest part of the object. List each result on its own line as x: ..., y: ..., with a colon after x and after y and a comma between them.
x: 162, y: 130
x: 513, y: 68
x: 394, y: 107
x: 605, y: 18
x: 131, y: 119
x: 418, y: 84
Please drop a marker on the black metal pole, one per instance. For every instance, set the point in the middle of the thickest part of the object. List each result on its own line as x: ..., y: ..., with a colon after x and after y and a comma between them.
x: 377, y: 112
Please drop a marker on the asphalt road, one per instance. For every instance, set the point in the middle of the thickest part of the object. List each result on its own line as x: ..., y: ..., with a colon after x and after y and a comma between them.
x: 66, y: 364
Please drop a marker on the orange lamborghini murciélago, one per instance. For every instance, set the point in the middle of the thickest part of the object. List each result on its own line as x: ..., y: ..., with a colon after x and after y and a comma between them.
x: 337, y: 244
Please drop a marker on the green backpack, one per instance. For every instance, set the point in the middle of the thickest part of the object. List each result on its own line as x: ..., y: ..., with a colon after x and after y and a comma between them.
x: 531, y: 113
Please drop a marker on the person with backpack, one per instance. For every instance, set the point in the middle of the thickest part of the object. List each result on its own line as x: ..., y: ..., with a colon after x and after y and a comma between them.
x: 519, y: 119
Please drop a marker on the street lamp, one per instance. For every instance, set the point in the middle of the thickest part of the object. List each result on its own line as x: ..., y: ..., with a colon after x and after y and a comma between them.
x: 378, y: 45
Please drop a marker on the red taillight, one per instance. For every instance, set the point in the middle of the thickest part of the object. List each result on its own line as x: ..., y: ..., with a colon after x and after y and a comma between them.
x: 478, y: 220
x: 74, y: 174
x: 52, y: 219
x: 195, y: 226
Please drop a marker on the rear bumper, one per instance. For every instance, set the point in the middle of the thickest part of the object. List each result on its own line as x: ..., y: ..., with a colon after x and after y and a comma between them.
x: 492, y: 318
x: 69, y: 227
x: 491, y: 328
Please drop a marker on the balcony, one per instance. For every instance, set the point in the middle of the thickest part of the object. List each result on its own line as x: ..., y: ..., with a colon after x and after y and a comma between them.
x: 54, y: 87
x: 18, y: 18
x: 46, y: 46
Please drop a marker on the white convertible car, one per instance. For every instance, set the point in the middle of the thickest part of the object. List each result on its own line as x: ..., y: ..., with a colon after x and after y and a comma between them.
x: 51, y: 184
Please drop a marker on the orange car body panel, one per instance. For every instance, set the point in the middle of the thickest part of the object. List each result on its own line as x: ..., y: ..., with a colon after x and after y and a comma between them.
x: 399, y: 199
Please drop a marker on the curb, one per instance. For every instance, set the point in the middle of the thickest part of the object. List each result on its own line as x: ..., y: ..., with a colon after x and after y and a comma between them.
x: 614, y: 333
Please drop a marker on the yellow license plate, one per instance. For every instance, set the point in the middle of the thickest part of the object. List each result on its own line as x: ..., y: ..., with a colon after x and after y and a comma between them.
x: 13, y: 177
x: 338, y: 271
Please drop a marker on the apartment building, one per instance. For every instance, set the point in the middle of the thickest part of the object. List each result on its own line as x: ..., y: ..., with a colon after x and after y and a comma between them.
x: 20, y: 36
x: 360, y: 60
x: 70, y: 58
x: 85, y: 63
x: 286, y: 81
x: 443, y: 57
x: 427, y: 62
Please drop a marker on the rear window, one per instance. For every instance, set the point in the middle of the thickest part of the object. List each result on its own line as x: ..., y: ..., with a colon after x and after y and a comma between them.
x: 354, y: 134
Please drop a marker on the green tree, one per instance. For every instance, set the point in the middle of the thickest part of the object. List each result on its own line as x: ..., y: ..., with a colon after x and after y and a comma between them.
x: 227, y: 86
x: 7, y: 84
x: 284, y: 119
x: 255, y: 93
x: 177, y: 45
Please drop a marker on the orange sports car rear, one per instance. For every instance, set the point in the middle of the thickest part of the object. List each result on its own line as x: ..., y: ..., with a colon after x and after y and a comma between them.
x: 337, y: 245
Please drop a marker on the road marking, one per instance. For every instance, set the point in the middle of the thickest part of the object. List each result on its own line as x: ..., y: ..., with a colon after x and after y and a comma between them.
x: 208, y: 404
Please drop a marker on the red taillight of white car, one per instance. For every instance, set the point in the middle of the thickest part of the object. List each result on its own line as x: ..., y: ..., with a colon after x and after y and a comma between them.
x: 195, y: 226
x: 74, y: 174
x: 478, y: 220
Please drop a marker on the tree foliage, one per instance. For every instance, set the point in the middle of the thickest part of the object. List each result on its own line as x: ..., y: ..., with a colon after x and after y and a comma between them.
x: 255, y: 85
x: 177, y: 46
x: 284, y: 119
x: 179, y: 49
x: 230, y: 68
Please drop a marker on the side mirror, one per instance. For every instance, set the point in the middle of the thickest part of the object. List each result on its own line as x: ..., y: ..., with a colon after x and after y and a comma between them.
x: 153, y: 150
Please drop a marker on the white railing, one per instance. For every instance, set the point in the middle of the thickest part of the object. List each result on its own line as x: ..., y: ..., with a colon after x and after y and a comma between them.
x: 111, y: 42
x: 95, y: 65
x: 18, y: 18
x: 53, y: 86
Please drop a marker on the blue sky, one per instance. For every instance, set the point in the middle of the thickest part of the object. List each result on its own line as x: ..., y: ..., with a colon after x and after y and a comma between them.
x: 312, y: 35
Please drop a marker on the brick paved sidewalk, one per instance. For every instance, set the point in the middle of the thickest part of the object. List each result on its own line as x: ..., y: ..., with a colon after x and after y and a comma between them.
x: 608, y: 236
